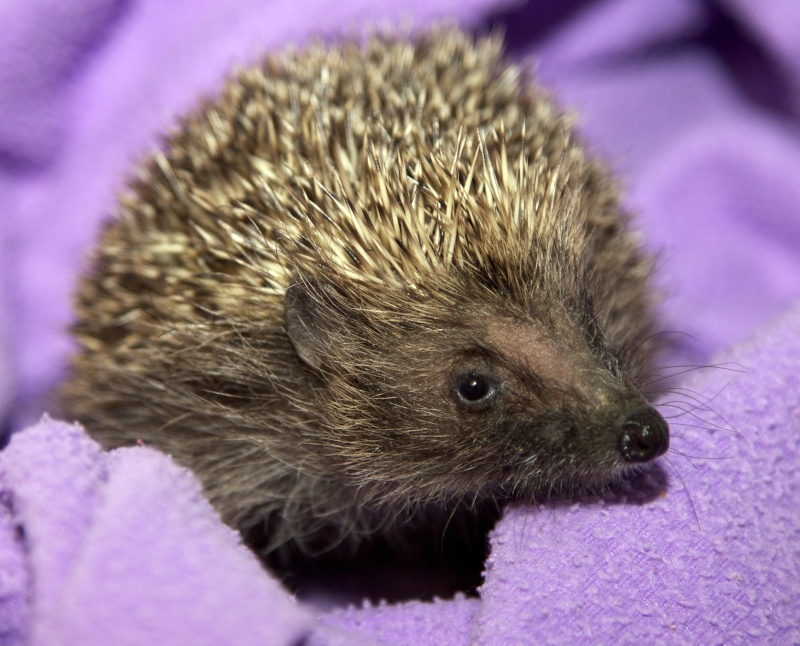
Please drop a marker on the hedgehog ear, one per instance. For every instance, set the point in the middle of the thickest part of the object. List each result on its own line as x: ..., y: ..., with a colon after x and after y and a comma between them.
x: 308, y: 308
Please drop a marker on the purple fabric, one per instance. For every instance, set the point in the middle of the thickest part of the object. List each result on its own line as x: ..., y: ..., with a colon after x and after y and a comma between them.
x: 696, y: 103
x: 437, y: 622
x: 123, y: 549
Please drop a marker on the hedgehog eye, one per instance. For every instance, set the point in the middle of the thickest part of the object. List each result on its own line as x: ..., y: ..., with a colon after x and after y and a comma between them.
x: 475, y: 390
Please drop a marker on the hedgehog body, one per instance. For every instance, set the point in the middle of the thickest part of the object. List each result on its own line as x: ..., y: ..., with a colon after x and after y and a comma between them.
x: 369, y: 279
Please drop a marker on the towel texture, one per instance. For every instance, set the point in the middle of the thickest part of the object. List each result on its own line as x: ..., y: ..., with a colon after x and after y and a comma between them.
x: 122, y: 548
x: 695, y: 103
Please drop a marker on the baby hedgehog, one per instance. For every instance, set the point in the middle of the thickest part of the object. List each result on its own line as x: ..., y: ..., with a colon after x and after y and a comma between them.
x: 368, y: 280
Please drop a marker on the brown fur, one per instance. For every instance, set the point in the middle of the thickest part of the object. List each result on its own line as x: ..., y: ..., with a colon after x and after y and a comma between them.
x: 433, y: 213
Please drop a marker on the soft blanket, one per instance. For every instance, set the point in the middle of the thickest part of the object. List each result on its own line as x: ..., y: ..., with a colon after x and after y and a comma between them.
x: 696, y: 103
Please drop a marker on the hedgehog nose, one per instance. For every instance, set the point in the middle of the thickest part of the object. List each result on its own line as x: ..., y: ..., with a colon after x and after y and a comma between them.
x: 645, y: 435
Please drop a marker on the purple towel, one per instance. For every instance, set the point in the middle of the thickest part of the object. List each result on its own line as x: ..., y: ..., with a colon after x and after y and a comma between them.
x: 122, y: 548
x: 696, y: 103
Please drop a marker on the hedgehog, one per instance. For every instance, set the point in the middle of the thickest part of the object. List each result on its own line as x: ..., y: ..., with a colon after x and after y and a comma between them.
x: 366, y: 280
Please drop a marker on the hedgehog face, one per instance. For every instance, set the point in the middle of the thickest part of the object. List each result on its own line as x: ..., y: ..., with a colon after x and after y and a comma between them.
x: 552, y: 411
x: 470, y: 404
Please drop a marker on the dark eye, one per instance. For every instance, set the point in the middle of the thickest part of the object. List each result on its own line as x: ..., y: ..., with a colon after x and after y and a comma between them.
x: 475, y: 390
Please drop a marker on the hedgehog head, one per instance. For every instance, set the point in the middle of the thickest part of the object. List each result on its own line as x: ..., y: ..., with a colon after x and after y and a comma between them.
x: 454, y: 319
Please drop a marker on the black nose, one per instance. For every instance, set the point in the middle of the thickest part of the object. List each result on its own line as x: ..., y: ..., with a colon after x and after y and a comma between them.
x: 645, y: 435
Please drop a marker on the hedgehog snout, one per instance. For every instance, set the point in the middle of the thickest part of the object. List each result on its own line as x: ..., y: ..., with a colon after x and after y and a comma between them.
x: 644, y: 435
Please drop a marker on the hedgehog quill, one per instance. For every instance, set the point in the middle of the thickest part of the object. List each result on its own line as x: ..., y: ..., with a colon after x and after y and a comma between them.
x: 368, y: 279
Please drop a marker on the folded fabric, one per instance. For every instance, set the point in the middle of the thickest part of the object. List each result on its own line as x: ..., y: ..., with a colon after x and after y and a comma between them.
x: 696, y: 104
x: 122, y: 548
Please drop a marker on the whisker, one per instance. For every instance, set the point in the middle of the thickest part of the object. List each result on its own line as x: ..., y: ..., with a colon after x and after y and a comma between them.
x: 692, y: 368
x: 686, y: 457
x: 686, y: 425
x: 701, y: 419
x: 730, y: 427
x: 689, y: 458
x: 685, y: 488
x: 656, y: 334
x: 449, y: 520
